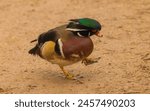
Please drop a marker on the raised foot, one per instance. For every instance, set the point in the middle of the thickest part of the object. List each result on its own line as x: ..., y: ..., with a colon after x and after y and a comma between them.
x: 88, y: 61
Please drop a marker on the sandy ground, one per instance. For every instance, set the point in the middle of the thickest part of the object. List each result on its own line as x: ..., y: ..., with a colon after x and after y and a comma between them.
x: 124, y: 66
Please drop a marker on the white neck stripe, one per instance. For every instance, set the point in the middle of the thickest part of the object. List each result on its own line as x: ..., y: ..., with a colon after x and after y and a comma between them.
x: 78, y: 33
x: 60, y: 47
x: 70, y: 29
x: 89, y: 34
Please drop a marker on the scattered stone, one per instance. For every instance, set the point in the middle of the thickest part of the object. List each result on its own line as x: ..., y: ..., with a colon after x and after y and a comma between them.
x: 1, y: 90
x: 25, y: 70
x: 99, y: 85
x: 89, y: 79
x: 32, y: 71
x: 109, y: 63
x: 4, y: 70
x: 32, y: 86
x: 120, y: 26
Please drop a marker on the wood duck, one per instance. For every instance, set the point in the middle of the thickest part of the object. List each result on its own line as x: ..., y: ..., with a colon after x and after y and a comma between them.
x: 67, y: 44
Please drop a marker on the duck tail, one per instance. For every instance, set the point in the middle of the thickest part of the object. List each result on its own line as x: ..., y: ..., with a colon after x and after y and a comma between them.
x: 33, y: 40
x: 34, y: 50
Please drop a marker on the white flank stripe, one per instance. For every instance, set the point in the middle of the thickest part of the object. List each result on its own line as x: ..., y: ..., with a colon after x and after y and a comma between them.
x: 70, y: 29
x: 60, y: 47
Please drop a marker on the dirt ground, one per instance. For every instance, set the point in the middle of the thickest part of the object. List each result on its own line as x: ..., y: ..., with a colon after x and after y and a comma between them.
x: 124, y: 66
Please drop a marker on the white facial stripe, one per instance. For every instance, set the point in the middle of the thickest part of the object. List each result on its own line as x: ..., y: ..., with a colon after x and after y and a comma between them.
x: 74, y: 22
x: 70, y: 29
x: 60, y: 47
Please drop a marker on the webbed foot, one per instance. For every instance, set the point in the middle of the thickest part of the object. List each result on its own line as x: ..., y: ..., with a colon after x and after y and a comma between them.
x: 71, y: 76
x: 88, y: 61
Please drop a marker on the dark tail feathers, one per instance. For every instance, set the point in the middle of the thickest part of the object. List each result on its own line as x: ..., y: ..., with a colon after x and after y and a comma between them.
x: 33, y: 40
x: 34, y: 50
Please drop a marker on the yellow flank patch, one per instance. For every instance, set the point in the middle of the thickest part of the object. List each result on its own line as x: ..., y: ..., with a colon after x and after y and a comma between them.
x: 47, y: 49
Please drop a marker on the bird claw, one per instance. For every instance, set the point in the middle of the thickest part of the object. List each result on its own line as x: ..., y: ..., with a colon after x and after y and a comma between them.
x: 70, y: 76
x: 87, y: 61
x: 79, y: 76
x: 76, y: 78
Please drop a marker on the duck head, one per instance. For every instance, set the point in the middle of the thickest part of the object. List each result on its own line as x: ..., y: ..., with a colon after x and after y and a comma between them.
x: 84, y: 27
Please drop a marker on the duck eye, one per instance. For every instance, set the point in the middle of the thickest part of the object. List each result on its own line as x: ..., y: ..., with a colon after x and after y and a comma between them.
x: 94, y: 31
x: 84, y: 33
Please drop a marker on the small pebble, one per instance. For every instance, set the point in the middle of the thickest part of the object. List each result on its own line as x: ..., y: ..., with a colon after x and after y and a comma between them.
x: 1, y: 90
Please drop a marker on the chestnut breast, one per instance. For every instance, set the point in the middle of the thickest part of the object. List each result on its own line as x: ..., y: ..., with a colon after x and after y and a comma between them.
x: 82, y: 46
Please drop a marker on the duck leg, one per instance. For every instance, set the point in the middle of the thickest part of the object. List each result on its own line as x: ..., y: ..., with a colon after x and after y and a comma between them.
x: 67, y: 74
x: 88, y: 61
x: 70, y: 76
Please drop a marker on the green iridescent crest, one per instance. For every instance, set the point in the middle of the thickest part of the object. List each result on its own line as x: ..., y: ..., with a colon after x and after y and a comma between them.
x: 90, y: 23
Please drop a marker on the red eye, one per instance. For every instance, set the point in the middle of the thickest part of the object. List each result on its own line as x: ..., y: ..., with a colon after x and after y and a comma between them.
x: 94, y: 31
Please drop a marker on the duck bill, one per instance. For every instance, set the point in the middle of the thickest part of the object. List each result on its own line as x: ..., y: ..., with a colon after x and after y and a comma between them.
x: 98, y: 34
